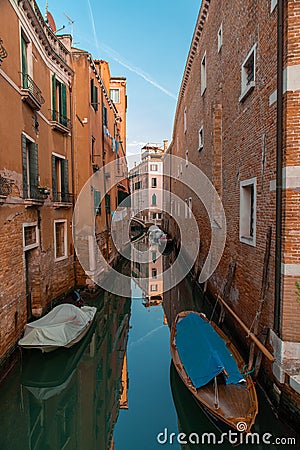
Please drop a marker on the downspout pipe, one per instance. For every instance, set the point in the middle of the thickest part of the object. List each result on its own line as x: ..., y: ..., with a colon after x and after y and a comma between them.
x: 279, y: 166
x: 73, y: 173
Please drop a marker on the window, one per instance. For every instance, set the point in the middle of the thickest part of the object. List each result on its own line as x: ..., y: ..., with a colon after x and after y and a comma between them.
x: 154, y: 200
x: 220, y: 38
x: 105, y: 118
x: 107, y: 203
x: 26, y: 60
x: 60, y: 239
x: 248, y: 74
x: 30, y: 168
x: 248, y: 211
x: 186, y: 208
x: 154, y: 182
x: 186, y: 158
x: 97, y: 202
x: 93, y: 148
x: 153, y: 287
x: 154, y: 216
x: 184, y: 120
x: 190, y: 205
x: 94, y: 95
x: 154, y: 273
x: 30, y: 236
x: 153, y: 256
x: 115, y: 95
x: 137, y: 185
x: 59, y: 102
x: 153, y: 167
x: 203, y: 74
x: 201, y: 138
x: 60, y: 179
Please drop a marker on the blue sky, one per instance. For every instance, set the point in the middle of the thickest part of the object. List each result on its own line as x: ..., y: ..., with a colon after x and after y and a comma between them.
x: 145, y: 41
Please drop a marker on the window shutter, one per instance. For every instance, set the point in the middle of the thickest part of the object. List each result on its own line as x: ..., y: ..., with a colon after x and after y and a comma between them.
x: 97, y: 204
x: 92, y: 92
x: 54, y: 97
x: 24, y: 167
x: 63, y: 104
x: 54, y: 180
x: 33, y: 170
x: 24, y: 63
x: 65, y: 180
x: 107, y: 203
x: 95, y: 98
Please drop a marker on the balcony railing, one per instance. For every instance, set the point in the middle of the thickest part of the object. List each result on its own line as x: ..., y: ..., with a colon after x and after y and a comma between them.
x: 5, y: 187
x: 58, y: 121
x: 62, y: 197
x: 31, y: 92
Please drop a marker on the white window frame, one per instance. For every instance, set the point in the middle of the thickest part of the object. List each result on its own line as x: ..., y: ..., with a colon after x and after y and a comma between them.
x: 65, y: 256
x: 200, y: 138
x: 185, y: 120
x: 115, y: 89
x: 245, y: 212
x: 37, y: 233
x: 246, y: 87
x: 153, y: 167
x: 203, y: 74
x: 153, y: 287
x: 273, y: 5
x: 220, y: 38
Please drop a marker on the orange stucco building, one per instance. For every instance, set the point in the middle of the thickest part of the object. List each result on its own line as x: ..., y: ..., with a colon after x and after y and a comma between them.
x: 65, y: 127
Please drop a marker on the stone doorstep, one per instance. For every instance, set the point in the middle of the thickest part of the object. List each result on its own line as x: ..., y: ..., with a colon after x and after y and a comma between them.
x: 295, y: 383
x: 286, y: 361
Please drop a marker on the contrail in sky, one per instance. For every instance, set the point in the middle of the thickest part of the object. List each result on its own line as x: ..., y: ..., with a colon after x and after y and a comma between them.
x: 119, y: 59
x: 140, y: 340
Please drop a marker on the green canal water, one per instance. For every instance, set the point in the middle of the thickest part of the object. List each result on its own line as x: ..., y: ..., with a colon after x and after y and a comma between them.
x: 116, y: 389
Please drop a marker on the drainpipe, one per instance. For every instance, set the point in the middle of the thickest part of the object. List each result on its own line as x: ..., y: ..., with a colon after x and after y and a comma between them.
x: 279, y: 157
x: 73, y: 174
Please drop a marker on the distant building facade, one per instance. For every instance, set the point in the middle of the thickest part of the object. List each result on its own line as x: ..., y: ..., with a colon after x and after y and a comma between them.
x: 237, y: 119
x: 146, y: 184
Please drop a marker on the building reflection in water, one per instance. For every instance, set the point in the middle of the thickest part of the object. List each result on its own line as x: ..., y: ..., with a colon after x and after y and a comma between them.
x: 70, y: 398
x: 148, y: 276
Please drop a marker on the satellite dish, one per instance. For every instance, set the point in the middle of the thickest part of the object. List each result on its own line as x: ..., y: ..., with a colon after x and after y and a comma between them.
x: 51, y: 22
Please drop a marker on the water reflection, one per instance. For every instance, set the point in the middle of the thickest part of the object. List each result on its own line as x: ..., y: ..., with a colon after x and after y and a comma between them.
x: 70, y: 399
x: 81, y: 398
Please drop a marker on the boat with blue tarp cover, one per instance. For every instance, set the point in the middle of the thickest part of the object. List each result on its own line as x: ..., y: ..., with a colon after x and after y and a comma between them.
x: 213, y: 370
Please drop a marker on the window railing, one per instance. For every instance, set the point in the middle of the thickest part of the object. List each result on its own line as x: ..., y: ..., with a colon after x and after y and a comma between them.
x: 59, y: 118
x: 29, y: 85
x: 5, y: 187
x: 62, y: 197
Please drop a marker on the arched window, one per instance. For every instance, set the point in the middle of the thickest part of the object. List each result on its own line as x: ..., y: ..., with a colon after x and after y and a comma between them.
x: 154, y: 200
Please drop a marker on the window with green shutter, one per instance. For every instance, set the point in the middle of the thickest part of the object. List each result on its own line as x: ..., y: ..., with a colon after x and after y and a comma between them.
x: 59, y: 102
x: 94, y: 95
x: 107, y: 203
x: 24, y: 50
x: 97, y: 202
x: 30, y: 168
x: 104, y: 113
x: 60, y: 179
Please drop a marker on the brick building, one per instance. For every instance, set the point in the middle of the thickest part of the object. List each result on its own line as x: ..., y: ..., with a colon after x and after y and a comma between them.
x: 237, y: 120
x: 64, y: 127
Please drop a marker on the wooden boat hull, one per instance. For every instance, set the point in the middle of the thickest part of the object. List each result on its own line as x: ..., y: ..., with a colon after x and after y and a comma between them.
x: 237, y: 406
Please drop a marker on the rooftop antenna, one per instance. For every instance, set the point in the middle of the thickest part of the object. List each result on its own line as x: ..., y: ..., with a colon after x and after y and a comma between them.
x: 46, y: 13
x: 71, y: 22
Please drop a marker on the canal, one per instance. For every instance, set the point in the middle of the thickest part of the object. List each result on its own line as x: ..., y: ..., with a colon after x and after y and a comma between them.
x: 116, y: 389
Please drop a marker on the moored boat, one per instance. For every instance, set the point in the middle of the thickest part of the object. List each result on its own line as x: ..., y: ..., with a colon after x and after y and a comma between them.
x: 63, y: 326
x: 213, y: 370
